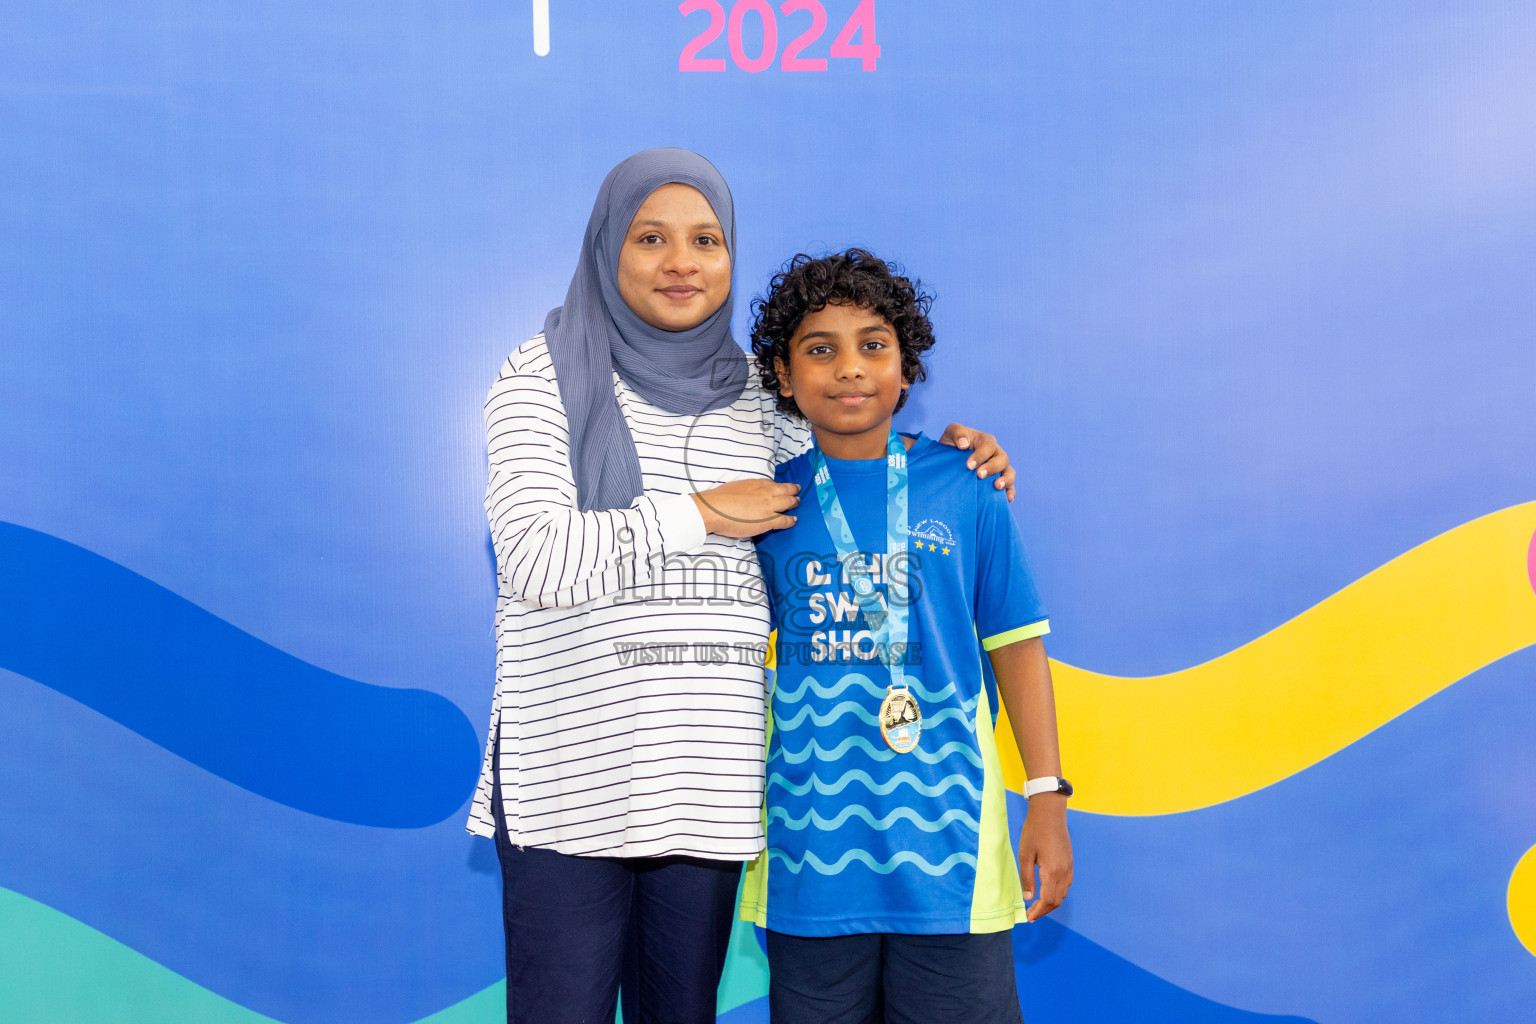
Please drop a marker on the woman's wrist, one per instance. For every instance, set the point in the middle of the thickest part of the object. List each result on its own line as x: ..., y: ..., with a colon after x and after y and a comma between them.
x: 705, y: 512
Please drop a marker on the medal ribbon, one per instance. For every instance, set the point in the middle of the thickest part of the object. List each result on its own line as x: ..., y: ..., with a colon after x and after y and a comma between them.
x: 888, y: 622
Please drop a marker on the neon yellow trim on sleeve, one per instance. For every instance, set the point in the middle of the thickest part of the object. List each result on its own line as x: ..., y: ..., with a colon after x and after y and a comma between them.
x: 1013, y: 636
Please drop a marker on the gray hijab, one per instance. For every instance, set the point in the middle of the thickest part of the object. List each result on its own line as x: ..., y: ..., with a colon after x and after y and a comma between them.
x: 595, y: 333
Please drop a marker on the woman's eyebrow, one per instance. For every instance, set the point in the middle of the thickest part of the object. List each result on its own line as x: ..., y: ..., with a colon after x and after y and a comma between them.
x: 708, y: 225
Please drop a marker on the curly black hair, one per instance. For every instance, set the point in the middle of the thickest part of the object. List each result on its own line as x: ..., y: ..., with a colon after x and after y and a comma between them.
x: 856, y: 277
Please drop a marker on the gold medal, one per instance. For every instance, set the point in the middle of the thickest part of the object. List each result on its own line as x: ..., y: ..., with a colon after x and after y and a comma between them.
x: 901, y: 720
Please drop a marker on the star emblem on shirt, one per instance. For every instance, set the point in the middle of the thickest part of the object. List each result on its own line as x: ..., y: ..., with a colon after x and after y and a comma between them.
x: 934, y: 535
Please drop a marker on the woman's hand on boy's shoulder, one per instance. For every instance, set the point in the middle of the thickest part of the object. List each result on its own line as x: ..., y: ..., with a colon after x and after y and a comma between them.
x: 747, y: 508
x: 987, y: 456
x: 1045, y: 843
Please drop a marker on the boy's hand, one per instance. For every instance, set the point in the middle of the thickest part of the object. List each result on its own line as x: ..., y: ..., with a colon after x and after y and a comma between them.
x: 746, y: 508
x: 1045, y: 842
x: 987, y: 456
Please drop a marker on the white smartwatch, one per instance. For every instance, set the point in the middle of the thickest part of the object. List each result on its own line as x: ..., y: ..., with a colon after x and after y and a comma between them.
x: 1047, y: 784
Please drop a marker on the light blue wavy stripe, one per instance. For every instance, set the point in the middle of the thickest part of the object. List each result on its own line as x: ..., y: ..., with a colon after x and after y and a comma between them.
x: 864, y: 857
x: 881, y: 789
x: 849, y: 707
x: 860, y: 811
x: 963, y: 715
x: 816, y: 750
x: 865, y: 683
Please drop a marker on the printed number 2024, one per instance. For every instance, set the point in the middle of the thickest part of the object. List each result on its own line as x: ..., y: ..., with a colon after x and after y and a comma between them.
x: 856, y: 40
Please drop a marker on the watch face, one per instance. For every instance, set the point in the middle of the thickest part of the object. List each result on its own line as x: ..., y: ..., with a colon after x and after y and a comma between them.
x: 1063, y: 786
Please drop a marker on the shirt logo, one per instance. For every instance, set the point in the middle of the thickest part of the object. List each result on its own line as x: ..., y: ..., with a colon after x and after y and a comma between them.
x: 933, y: 535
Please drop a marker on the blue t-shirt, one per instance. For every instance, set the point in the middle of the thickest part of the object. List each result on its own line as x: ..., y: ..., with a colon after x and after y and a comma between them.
x: 861, y: 838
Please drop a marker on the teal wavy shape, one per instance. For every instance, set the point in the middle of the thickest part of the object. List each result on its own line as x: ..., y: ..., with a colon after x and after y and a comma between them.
x: 54, y: 968
x: 879, y: 788
x: 821, y: 867
x: 954, y: 814
x: 816, y: 750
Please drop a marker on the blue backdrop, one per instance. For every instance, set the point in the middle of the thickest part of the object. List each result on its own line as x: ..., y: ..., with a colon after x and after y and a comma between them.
x: 1246, y: 290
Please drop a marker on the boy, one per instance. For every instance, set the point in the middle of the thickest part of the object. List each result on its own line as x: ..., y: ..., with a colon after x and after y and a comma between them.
x: 888, y: 887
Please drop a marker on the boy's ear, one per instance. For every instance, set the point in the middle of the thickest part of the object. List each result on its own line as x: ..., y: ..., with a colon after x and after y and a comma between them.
x: 782, y: 372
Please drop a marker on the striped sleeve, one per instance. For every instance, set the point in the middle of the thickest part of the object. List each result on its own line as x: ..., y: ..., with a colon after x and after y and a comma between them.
x: 791, y: 435
x: 549, y: 554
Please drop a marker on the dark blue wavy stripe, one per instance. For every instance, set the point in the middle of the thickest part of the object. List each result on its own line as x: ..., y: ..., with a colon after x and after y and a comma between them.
x: 1064, y: 978
x: 1067, y: 979
x: 224, y: 700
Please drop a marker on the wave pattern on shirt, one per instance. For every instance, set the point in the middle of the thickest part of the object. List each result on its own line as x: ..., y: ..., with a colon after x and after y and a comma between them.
x: 863, y: 682
x: 860, y: 811
x: 879, y: 867
x: 882, y: 788
x: 816, y: 750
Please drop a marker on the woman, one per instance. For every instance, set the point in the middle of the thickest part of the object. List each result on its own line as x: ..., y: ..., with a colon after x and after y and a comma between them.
x: 631, y: 459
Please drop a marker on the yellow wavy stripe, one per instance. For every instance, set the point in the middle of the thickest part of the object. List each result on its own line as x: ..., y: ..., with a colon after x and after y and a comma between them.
x: 1304, y: 690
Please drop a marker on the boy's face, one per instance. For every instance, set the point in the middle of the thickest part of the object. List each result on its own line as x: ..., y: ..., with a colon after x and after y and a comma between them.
x: 844, y: 373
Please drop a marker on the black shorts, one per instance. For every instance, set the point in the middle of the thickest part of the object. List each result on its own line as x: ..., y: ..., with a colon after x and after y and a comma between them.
x: 873, y: 979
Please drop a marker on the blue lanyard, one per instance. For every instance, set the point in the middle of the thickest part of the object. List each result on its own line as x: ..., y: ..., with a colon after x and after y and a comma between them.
x: 887, y: 622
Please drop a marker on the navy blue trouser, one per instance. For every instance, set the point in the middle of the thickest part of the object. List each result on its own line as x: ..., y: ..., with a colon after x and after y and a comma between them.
x: 884, y: 978
x: 579, y: 926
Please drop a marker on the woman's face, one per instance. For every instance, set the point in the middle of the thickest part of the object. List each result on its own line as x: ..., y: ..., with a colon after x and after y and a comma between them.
x: 674, y: 271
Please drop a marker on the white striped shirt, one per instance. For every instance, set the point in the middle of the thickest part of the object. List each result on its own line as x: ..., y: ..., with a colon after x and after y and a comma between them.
x: 615, y: 728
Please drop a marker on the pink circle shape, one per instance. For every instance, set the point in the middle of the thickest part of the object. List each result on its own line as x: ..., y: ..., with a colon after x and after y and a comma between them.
x: 1530, y: 562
